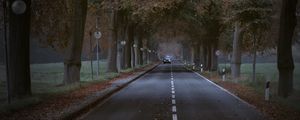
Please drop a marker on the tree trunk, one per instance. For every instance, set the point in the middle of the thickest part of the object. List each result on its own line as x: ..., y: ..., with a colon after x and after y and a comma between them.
x: 202, y: 58
x: 139, y: 49
x: 128, y: 49
x: 209, y: 57
x: 121, y: 48
x: 214, y: 66
x: 133, y: 57
x: 236, y: 53
x: 285, y: 61
x: 18, y: 64
x: 72, y: 60
x: 197, y: 55
x: 145, y: 55
x: 192, y: 58
x: 113, y: 38
x: 254, y: 61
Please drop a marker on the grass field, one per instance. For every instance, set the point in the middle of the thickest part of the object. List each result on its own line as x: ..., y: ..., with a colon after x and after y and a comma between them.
x: 48, y: 78
x: 268, y: 71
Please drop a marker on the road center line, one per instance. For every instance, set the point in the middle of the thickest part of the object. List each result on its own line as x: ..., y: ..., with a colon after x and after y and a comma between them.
x: 174, y: 116
x: 174, y: 109
x: 173, y: 101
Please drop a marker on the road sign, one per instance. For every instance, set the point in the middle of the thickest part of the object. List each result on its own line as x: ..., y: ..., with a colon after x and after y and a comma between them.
x: 218, y: 52
x: 97, y: 35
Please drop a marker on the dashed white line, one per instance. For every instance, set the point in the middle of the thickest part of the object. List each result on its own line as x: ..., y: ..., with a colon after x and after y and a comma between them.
x: 174, y: 116
x: 173, y: 96
x: 173, y: 101
x: 174, y: 109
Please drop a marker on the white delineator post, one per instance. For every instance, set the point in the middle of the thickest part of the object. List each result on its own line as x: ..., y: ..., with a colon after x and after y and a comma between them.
x: 267, y: 91
x: 224, y: 74
x: 201, y: 67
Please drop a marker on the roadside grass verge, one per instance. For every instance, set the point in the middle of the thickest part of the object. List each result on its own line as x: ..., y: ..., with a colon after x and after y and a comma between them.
x: 47, y: 81
x: 265, y: 72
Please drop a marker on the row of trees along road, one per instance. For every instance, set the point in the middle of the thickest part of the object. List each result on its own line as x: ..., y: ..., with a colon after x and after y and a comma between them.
x: 250, y: 21
x: 61, y: 24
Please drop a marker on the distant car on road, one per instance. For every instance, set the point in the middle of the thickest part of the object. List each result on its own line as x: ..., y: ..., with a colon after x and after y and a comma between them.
x: 165, y: 61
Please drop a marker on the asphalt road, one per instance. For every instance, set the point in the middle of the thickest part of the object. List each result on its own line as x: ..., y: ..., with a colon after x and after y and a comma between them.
x: 170, y: 92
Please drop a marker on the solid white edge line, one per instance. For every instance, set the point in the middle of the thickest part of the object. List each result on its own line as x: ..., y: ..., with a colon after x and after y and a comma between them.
x: 243, y: 101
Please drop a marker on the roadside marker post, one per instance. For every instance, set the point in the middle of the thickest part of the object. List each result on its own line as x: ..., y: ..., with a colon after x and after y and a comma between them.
x: 201, y: 68
x: 267, y: 91
x: 224, y: 74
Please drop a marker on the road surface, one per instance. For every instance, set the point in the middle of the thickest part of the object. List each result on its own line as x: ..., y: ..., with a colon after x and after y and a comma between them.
x: 170, y: 92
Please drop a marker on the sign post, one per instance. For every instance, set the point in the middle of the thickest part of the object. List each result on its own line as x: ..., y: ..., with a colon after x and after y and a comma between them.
x: 267, y: 91
x: 97, y: 35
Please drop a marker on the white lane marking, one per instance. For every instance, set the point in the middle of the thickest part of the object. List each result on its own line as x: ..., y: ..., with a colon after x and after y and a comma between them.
x: 174, y: 116
x: 173, y: 101
x: 243, y: 101
x: 174, y: 109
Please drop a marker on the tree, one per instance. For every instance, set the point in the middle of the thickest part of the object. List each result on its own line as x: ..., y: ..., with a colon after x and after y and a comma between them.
x: 256, y: 19
x: 61, y: 25
x: 130, y: 41
x: 18, y: 65
x: 285, y: 61
x: 210, y: 14
x: 236, y: 58
x: 252, y: 23
x: 113, y: 38
x: 72, y: 59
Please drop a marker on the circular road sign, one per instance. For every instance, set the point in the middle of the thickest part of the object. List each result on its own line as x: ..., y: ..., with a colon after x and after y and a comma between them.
x: 97, y: 35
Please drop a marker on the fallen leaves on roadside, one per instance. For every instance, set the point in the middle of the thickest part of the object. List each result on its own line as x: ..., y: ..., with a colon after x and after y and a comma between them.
x: 272, y: 110
x: 53, y: 107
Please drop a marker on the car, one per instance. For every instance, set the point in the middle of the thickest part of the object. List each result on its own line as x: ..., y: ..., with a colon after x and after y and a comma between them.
x: 165, y: 61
